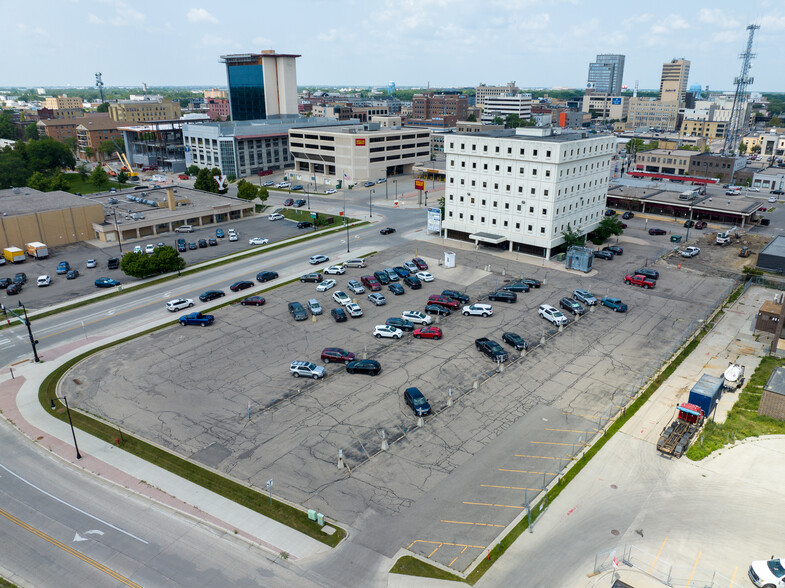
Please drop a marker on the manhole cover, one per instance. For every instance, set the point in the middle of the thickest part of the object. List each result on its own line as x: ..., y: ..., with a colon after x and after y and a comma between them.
x: 614, y: 532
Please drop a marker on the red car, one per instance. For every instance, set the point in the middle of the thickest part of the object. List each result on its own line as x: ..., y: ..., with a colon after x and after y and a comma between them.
x: 420, y: 263
x: 427, y: 333
x: 443, y: 301
x: 371, y: 283
x: 288, y: 202
x: 337, y: 355
x: 640, y: 280
x: 700, y: 225
x: 253, y: 301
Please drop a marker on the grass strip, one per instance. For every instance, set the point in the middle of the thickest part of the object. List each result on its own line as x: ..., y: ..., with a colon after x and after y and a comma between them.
x: 77, y: 184
x: 411, y: 566
x: 427, y: 570
x: 213, y: 481
x: 743, y: 419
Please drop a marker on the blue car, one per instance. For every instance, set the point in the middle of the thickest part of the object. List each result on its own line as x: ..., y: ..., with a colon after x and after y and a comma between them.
x: 614, y: 304
x: 63, y: 267
x: 106, y: 283
x: 219, y: 233
x: 196, y: 318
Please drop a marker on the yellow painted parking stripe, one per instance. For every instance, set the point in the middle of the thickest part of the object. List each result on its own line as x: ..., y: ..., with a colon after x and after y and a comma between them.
x: 733, y: 577
x: 508, y: 487
x: 554, y: 443
x: 457, y: 556
x: 571, y: 431
x: 435, y: 549
x: 478, y: 524
x: 527, y: 472
x: 538, y: 456
x: 70, y: 550
x: 658, y: 554
x: 489, y: 504
x: 444, y: 543
x: 692, y: 573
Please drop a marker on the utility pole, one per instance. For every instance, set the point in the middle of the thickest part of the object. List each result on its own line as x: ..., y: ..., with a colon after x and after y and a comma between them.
x: 26, y: 322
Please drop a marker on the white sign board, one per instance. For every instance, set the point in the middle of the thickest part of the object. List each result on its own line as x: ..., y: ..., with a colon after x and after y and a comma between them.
x: 434, y: 220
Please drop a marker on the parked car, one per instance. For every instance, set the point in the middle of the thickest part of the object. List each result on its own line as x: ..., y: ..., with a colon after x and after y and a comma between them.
x: 445, y: 301
x: 254, y: 241
x: 380, y: 331
x: 603, y: 254
x: 639, y: 280
x: 20, y: 278
x: 416, y: 317
x: 253, y: 301
x: 266, y: 276
x: 339, y: 315
x: 648, y: 272
x: 314, y: 277
x: 355, y: 287
x: 377, y: 299
x: 72, y: 274
x: 357, y: 262
x: 656, y: 231
x: 768, y: 573
x: 436, y: 309
x: 44, y: 280
x: 149, y: 249
x: 331, y: 191
x: 297, y: 187
x: 413, y: 282
x: 63, y: 267
x: 241, y: 285
x: 299, y: 203
x: 325, y: 285
x: 370, y: 367
x: 211, y: 295
x: 192, y: 246
x: 179, y: 304
x: 456, y: 295
x: 371, y: 283
x: 106, y: 283
x: 16, y: 289
x: 382, y: 277
x: 614, y: 304
x: 420, y: 263
x: 551, y: 314
x: 314, y: 306
x: 516, y: 287
x: 401, y: 271
x: 219, y: 233
x: 92, y: 263
x: 689, y: 223
x: 297, y: 311
x: 182, y: 248
x: 268, y: 183
x: 341, y: 297
x: 396, y: 289
x: 429, y: 332
x: 387, y: 231
x: 610, y: 212
x: 627, y: 215
x: 196, y: 318
x: 317, y: 259
x: 283, y: 185
x: 335, y: 270
x: 514, y: 339
x: 203, y: 243
x: 368, y: 184
x: 5, y: 282
x: 113, y: 263
x: 531, y: 282
x: 353, y: 310
x: 424, y: 276
x: 690, y: 251
x: 276, y: 216
x: 381, y: 180
x: 212, y: 242
x: 572, y: 306
x: 478, y: 309
x: 503, y: 296
x: 414, y: 398
x: 410, y: 267
x: 700, y: 225
x: 306, y: 369
x: 392, y: 274
x: 337, y: 355
x: 585, y: 296
x: 304, y: 225
x: 615, y: 249
x: 492, y: 349
x: 288, y: 201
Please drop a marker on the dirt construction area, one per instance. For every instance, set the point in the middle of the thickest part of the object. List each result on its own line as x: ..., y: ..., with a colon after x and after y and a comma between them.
x: 719, y: 259
x: 223, y: 395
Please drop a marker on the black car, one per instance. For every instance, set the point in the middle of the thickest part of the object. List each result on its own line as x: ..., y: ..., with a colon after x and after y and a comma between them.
x: 778, y: 192
x: 304, y: 225
x: 689, y: 223
x: 72, y: 275
x: 241, y: 285
x: 315, y: 277
x: 414, y: 398
x: 5, y: 282
x: 649, y: 273
x: 455, y: 295
x: 655, y: 231
x: 604, y: 254
x: 20, y: 278
x: 297, y: 311
x: 202, y: 243
x: 399, y: 323
x: 383, y: 278
x: 113, y: 263
x: 13, y: 289
x: 532, y: 283
x: 610, y: 212
x: 387, y: 231
x: 571, y: 305
x: 515, y: 340
x: 628, y: 214
x: 517, y: 287
x: 396, y: 288
x: 338, y: 314
x: 615, y: 249
x: 364, y: 366
x: 181, y: 247
x: 212, y: 242
x: 436, y: 309
x: 298, y: 203
x: 413, y: 282
x: 503, y: 296
x: 211, y: 295
x: 253, y: 301
x: 266, y: 276
x: 192, y: 245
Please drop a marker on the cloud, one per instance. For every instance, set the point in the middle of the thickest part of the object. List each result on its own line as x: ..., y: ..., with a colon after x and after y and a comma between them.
x: 93, y: 19
x: 34, y: 30
x: 200, y: 15
x: 329, y: 36
x: 124, y: 14
x: 673, y: 22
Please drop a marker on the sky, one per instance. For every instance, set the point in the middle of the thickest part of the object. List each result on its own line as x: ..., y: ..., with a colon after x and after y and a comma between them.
x: 441, y: 43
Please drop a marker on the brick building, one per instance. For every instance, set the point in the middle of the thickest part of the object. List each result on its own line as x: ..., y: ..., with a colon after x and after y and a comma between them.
x: 62, y: 128
x: 218, y: 108
x: 91, y: 133
x: 431, y: 105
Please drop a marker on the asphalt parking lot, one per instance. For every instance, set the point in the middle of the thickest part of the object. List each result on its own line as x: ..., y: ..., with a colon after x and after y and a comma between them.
x: 446, y: 489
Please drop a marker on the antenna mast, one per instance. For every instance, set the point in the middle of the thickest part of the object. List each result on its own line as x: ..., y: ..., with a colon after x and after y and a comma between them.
x: 737, y: 123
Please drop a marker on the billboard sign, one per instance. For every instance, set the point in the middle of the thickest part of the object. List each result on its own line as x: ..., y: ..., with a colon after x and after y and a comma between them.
x: 434, y: 220
x: 419, y: 184
x: 359, y: 142
x: 615, y: 100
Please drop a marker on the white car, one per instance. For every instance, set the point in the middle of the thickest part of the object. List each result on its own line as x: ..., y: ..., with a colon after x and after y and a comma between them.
x: 331, y: 191
x: 354, y: 310
x: 411, y: 266
x: 44, y: 280
x: 306, y: 369
x: 552, y: 314
x: 335, y: 270
x: 753, y: 189
x: 150, y: 248
x: 179, y: 304
x: 377, y: 299
x: 416, y: 317
x: 768, y: 573
x: 772, y: 199
x: 478, y: 310
x: 690, y: 251
x: 258, y: 241
x: 317, y: 259
x: 424, y: 276
x: 276, y: 216
x: 233, y: 236
x: 341, y: 297
x: 325, y: 285
x: 380, y: 331
x: 138, y: 249
x: 92, y: 263
x: 282, y: 185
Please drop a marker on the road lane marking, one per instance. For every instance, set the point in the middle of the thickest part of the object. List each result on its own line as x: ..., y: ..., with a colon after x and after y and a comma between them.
x: 692, y: 573
x: 478, y: 524
x: 528, y: 472
x: 658, y: 554
x: 76, y: 508
x: 69, y: 550
x: 435, y: 549
x: 489, y: 504
x: 733, y: 577
x: 509, y: 487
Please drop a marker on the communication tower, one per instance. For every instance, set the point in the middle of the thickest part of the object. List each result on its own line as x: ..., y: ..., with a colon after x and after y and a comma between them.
x: 737, y: 123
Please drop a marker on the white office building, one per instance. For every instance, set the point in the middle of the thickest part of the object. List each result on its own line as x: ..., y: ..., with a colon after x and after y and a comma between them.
x: 520, y: 104
x: 519, y: 190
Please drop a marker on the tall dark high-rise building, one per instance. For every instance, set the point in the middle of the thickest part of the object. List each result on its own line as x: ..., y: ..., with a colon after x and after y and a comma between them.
x: 605, y: 75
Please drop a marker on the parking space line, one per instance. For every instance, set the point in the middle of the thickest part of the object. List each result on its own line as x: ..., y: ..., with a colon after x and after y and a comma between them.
x: 457, y: 556
x: 658, y: 554
x: 435, y: 549
x: 733, y: 577
x: 528, y: 472
x: 478, y: 524
x: 445, y: 543
x: 489, y: 504
x: 537, y: 456
x: 572, y: 431
x: 692, y: 573
x: 509, y: 487
x: 554, y: 443
x: 584, y: 416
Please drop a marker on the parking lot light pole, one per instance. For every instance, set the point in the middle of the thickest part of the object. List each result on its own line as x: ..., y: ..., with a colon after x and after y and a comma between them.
x: 26, y: 322
x: 385, y: 189
x: 370, y: 206
x: 70, y: 422
x: 117, y: 230
x: 346, y: 222
x: 396, y: 189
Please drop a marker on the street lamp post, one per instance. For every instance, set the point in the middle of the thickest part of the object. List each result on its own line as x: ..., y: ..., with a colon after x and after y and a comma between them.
x: 70, y: 422
x: 117, y: 230
x: 370, y: 205
x: 346, y: 221
x: 396, y: 189
x: 26, y: 321
x: 385, y: 189
x: 178, y: 258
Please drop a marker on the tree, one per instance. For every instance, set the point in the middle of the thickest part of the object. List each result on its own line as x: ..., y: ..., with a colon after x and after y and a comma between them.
x: 38, y: 181
x: 610, y: 225
x: 31, y: 132
x: 775, y: 122
x: 58, y: 181
x: 193, y: 170
x: 205, y: 181
x: 497, y: 120
x: 137, y: 265
x: 756, y: 148
x: 46, y: 154
x: 106, y: 148
x: 89, y: 152
x: 122, y: 177
x: 471, y: 118
x: 264, y: 194
x: 70, y: 142
x: 7, y: 128
x: 742, y: 148
x: 513, y: 121
x: 231, y: 178
x: 48, y: 183
x: 103, y: 107
x: 573, y: 238
x: 246, y: 190
x: 99, y: 178
x: 166, y: 259
x: 83, y: 172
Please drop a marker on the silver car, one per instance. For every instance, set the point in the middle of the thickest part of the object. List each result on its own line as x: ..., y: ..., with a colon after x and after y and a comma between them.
x: 355, y: 287
x: 377, y: 299
x: 314, y: 306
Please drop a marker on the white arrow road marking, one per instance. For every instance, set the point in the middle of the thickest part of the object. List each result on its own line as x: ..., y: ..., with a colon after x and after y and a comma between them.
x: 78, y: 537
x: 94, y: 532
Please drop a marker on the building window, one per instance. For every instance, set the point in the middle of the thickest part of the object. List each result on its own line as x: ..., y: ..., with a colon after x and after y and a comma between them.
x: 496, y: 186
x: 485, y: 184
x: 471, y: 200
x: 506, y: 206
x: 495, y: 203
x: 545, y: 192
x: 547, y: 173
x: 473, y: 182
x: 534, y: 172
x: 518, y: 208
x: 547, y: 154
x: 509, y: 169
x: 485, y: 166
x: 497, y: 168
x: 530, y: 228
x: 471, y: 217
x: 482, y: 219
x: 534, y: 153
x: 544, y: 211
x: 532, y: 191
x: 523, y: 151
x: 517, y: 225
x: 531, y: 210
x: 483, y: 201
x: 542, y: 230
x: 497, y: 149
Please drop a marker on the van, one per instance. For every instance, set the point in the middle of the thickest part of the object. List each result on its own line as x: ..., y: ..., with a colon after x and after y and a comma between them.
x: 354, y: 263
x: 688, y: 195
x: 184, y: 229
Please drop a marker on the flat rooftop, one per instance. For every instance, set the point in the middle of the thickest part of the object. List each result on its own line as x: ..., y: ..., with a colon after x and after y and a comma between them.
x: 563, y: 137
x: 723, y: 203
x: 19, y: 201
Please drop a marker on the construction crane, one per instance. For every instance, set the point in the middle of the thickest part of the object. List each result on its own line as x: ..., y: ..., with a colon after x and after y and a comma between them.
x: 127, y: 164
x: 737, y: 123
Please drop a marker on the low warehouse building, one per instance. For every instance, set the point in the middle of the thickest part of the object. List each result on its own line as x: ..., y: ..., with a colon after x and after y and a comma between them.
x: 772, y: 258
x: 772, y: 400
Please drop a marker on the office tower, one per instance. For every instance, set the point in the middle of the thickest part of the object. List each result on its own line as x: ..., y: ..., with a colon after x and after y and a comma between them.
x: 605, y: 75
x: 673, y: 84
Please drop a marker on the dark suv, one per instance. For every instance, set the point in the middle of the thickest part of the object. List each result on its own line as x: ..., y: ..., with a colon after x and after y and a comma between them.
x: 383, y: 278
x: 399, y: 323
x: 297, y: 311
x: 455, y: 295
x: 337, y: 355
x: 503, y: 296
x: 113, y: 263
x: 571, y: 305
x: 311, y: 278
x: 443, y: 301
x: 649, y: 273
